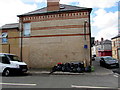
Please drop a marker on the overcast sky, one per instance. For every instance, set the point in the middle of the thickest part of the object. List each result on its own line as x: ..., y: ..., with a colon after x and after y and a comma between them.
x: 104, y: 16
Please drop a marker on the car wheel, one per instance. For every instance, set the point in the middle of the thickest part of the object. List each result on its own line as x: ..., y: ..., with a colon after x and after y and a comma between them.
x: 6, y: 72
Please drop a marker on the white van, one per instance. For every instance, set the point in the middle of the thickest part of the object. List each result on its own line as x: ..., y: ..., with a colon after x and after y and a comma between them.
x: 10, y: 63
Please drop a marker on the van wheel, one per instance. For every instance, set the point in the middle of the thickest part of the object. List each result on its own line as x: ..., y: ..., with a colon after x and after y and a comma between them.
x: 6, y: 72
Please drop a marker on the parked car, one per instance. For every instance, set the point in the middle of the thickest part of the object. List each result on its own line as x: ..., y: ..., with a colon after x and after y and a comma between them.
x: 11, y: 64
x: 108, y: 62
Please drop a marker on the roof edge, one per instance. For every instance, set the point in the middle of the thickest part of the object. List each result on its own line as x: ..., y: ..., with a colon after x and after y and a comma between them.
x: 50, y: 12
x: 13, y: 27
x: 116, y: 37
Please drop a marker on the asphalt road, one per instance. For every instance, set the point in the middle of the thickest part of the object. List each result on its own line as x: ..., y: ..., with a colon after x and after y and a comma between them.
x: 115, y: 70
x: 86, y: 81
x: 60, y: 81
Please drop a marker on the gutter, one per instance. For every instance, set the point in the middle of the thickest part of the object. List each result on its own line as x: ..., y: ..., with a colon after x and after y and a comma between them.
x: 10, y: 28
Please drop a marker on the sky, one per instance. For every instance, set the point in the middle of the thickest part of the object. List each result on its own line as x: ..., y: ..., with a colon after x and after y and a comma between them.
x: 104, y: 16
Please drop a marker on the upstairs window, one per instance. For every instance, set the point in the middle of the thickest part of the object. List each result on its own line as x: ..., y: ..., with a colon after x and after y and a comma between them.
x: 4, y: 37
x: 27, y: 29
x: 113, y: 43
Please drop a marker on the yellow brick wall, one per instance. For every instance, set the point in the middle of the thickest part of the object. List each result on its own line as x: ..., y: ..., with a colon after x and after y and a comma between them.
x: 13, y: 42
x: 48, y: 51
x: 44, y: 52
x: 115, y: 48
x: 14, y: 34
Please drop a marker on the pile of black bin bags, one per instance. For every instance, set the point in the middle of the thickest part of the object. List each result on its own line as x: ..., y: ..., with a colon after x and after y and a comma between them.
x: 76, y: 67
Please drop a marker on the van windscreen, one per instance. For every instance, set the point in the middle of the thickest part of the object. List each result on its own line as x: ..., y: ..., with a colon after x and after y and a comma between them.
x: 14, y: 58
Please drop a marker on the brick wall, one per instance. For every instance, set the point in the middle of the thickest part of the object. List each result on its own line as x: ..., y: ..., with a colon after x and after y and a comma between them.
x: 56, y: 38
x: 13, y: 44
x: 115, y: 46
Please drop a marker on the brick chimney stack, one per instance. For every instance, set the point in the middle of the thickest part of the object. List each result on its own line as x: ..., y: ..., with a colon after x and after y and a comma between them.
x: 53, y: 5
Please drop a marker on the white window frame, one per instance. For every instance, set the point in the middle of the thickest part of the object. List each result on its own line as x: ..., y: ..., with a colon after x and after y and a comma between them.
x: 4, y: 37
x: 26, y: 29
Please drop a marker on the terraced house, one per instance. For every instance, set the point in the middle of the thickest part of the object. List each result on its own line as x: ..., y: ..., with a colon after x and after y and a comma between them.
x: 116, y: 46
x: 9, y: 41
x: 56, y: 33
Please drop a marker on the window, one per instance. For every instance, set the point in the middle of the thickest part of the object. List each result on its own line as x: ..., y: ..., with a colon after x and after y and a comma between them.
x: 114, y: 52
x: 4, y: 38
x: 1, y: 56
x: 27, y: 29
x: 114, y: 43
x: 3, y: 59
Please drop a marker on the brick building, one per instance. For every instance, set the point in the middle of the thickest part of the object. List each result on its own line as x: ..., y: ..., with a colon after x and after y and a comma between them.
x: 116, y: 46
x: 56, y: 33
x: 102, y: 48
x: 9, y: 41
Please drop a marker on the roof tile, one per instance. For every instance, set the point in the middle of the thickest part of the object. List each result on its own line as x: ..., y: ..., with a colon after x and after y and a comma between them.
x: 63, y: 7
x: 10, y: 26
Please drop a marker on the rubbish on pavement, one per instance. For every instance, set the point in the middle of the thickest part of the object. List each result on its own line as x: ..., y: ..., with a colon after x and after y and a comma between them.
x: 75, y: 67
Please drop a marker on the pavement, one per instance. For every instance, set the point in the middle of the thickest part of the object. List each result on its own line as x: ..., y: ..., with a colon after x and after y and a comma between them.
x: 98, y: 71
x: 116, y: 70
